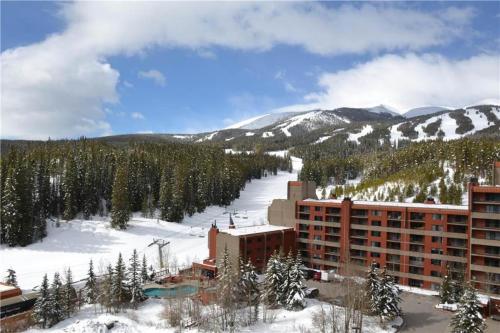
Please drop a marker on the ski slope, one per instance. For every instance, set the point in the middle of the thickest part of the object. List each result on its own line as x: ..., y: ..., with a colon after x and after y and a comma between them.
x: 74, y: 243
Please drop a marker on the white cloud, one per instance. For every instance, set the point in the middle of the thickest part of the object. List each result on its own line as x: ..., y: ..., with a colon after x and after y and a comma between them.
x: 128, y: 84
x: 137, y: 115
x: 409, y: 81
x: 154, y: 75
x: 59, y: 87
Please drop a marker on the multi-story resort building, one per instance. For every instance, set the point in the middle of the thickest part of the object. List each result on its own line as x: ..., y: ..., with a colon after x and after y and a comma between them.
x: 256, y: 243
x: 416, y: 242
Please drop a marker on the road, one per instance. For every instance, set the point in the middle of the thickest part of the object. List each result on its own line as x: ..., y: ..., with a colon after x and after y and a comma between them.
x: 419, y: 312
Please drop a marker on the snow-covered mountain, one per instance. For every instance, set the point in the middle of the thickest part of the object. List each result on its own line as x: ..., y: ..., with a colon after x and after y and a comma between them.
x: 262, y: 121
x: 422, y: 111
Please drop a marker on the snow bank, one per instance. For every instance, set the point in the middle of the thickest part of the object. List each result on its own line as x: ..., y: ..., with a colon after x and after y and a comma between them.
x: 449, y: 307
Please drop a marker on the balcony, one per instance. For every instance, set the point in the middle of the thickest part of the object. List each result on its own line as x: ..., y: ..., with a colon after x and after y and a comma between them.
x: 393, y: 267
x: 457, y: 219
x: 417, y: 217
x: 303, y: 216
x: 393, y: 237
x: 359, y: 234
x: 394, y: 224
x: 416, y: 262
x: 457, y: 243
x: 416, y: 270
x: 359, y: 221
x: 304, y: 209
x: 416, y: 239
x: 394, y: 216
x: 417, y: 248
x: 393, y: 246
x: 332, y: 211
x: 391, y: 258
x: 363, y: 213
x: 417, y: 225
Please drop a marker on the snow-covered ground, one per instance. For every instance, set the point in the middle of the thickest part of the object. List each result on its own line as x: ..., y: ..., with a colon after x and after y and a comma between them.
x: 354, y: 137
x: 74, y: 243
x: 148, y: 318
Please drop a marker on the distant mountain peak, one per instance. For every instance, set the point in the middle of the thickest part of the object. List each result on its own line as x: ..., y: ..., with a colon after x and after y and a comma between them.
x: 423, y: 111
x: 382, y: 108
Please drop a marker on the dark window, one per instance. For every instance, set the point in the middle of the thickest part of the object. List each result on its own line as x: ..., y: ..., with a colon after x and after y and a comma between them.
x: 318, y: 227
x: 436, y: 227
x: 318, y: 218
x: 436, y: 262
x: 436, y: 239
x: 376, y: 213
x: 376, y: 223
x: 375, y: 255
x: 375, y: 244
x: 376, y: 233
x: 317, y: 208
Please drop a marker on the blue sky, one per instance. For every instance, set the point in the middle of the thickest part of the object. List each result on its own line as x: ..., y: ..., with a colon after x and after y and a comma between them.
x: 95, y: 69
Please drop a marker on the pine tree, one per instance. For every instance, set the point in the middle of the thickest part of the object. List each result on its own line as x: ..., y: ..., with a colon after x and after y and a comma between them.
x: 106, y: 289
x: 56, y: 300
x: 248, y: 289
x: 120, y: 293
x: 120, y: 211
x: 11, y: 278
x: 372, y: 288
x: 271, y: 294
x: 388, y: 297
x: 285, y: 268
x: 70, y: 188
x: 446, y: 291
x: 42, y: 307
x: 468, y: 318
x: 91, y: 291
x: 69, y: 295
x: 226, y: 291
x: 144, y: 270
x: 134, y: 280
x: 295, y: 293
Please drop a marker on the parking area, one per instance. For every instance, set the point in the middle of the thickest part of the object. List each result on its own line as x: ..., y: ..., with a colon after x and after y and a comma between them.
x: 419, y: 312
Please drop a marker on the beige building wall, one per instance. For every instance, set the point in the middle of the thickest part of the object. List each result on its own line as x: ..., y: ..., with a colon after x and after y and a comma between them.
x: 233, y: 247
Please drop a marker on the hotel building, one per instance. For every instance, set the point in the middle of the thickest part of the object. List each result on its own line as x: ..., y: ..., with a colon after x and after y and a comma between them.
x: 416, y: 242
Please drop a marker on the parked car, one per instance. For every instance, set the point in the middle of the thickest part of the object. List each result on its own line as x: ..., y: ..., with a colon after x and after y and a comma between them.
x: 310, y: 292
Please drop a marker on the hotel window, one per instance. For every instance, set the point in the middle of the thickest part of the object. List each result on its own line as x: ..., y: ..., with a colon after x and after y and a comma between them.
x: 376, y: 223
x: 376, y: 233
x: 436, y: 251
x: 318, y: 218
x: 375, y: 244
x: 376, y: 213
x: 318, y: 227
x: 436, y: 262
x: 317, y: 237
x: 436, y: 239
x: 435, y: 273
x: 318, y: 247
x: 436, y: 227
x: 375, y: 255
x: 437, y: 217
x: 317, y: 208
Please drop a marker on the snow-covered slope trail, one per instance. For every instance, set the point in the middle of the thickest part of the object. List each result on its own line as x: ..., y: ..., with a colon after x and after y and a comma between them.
x: 73, y: 244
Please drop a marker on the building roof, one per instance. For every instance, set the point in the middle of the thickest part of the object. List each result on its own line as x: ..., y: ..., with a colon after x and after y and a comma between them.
x: 258, y: 229
x: 395, y: 204
x: 6, y: 287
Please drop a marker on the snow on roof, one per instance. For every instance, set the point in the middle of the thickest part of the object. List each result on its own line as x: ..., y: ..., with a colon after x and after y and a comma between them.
x: 395, y: 204
x: 254, y: 229
x: 6, y: 287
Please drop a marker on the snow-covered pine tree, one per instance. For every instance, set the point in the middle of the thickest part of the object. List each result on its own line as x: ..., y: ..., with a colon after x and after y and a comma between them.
x: 134, y: 280
x: 295, y: 293
x: 372, y: 288
x: 91, y: 286
x: 11, y: 278
x: 248, y: 289
x: 388, y: 302
x: 69, y: 295
x: 468, y: 318
x: 120, y: 209
x: 144, y: 270
x: 42, y: 307
x: 119, y: 288
x: 446, y: 290
x: 271, y: 293
x: 226, y: 291
x: 286, y: 267
x: 56, y: 301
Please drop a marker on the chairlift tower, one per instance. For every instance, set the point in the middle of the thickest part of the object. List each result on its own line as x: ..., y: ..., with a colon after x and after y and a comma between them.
x: 161, y: 244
